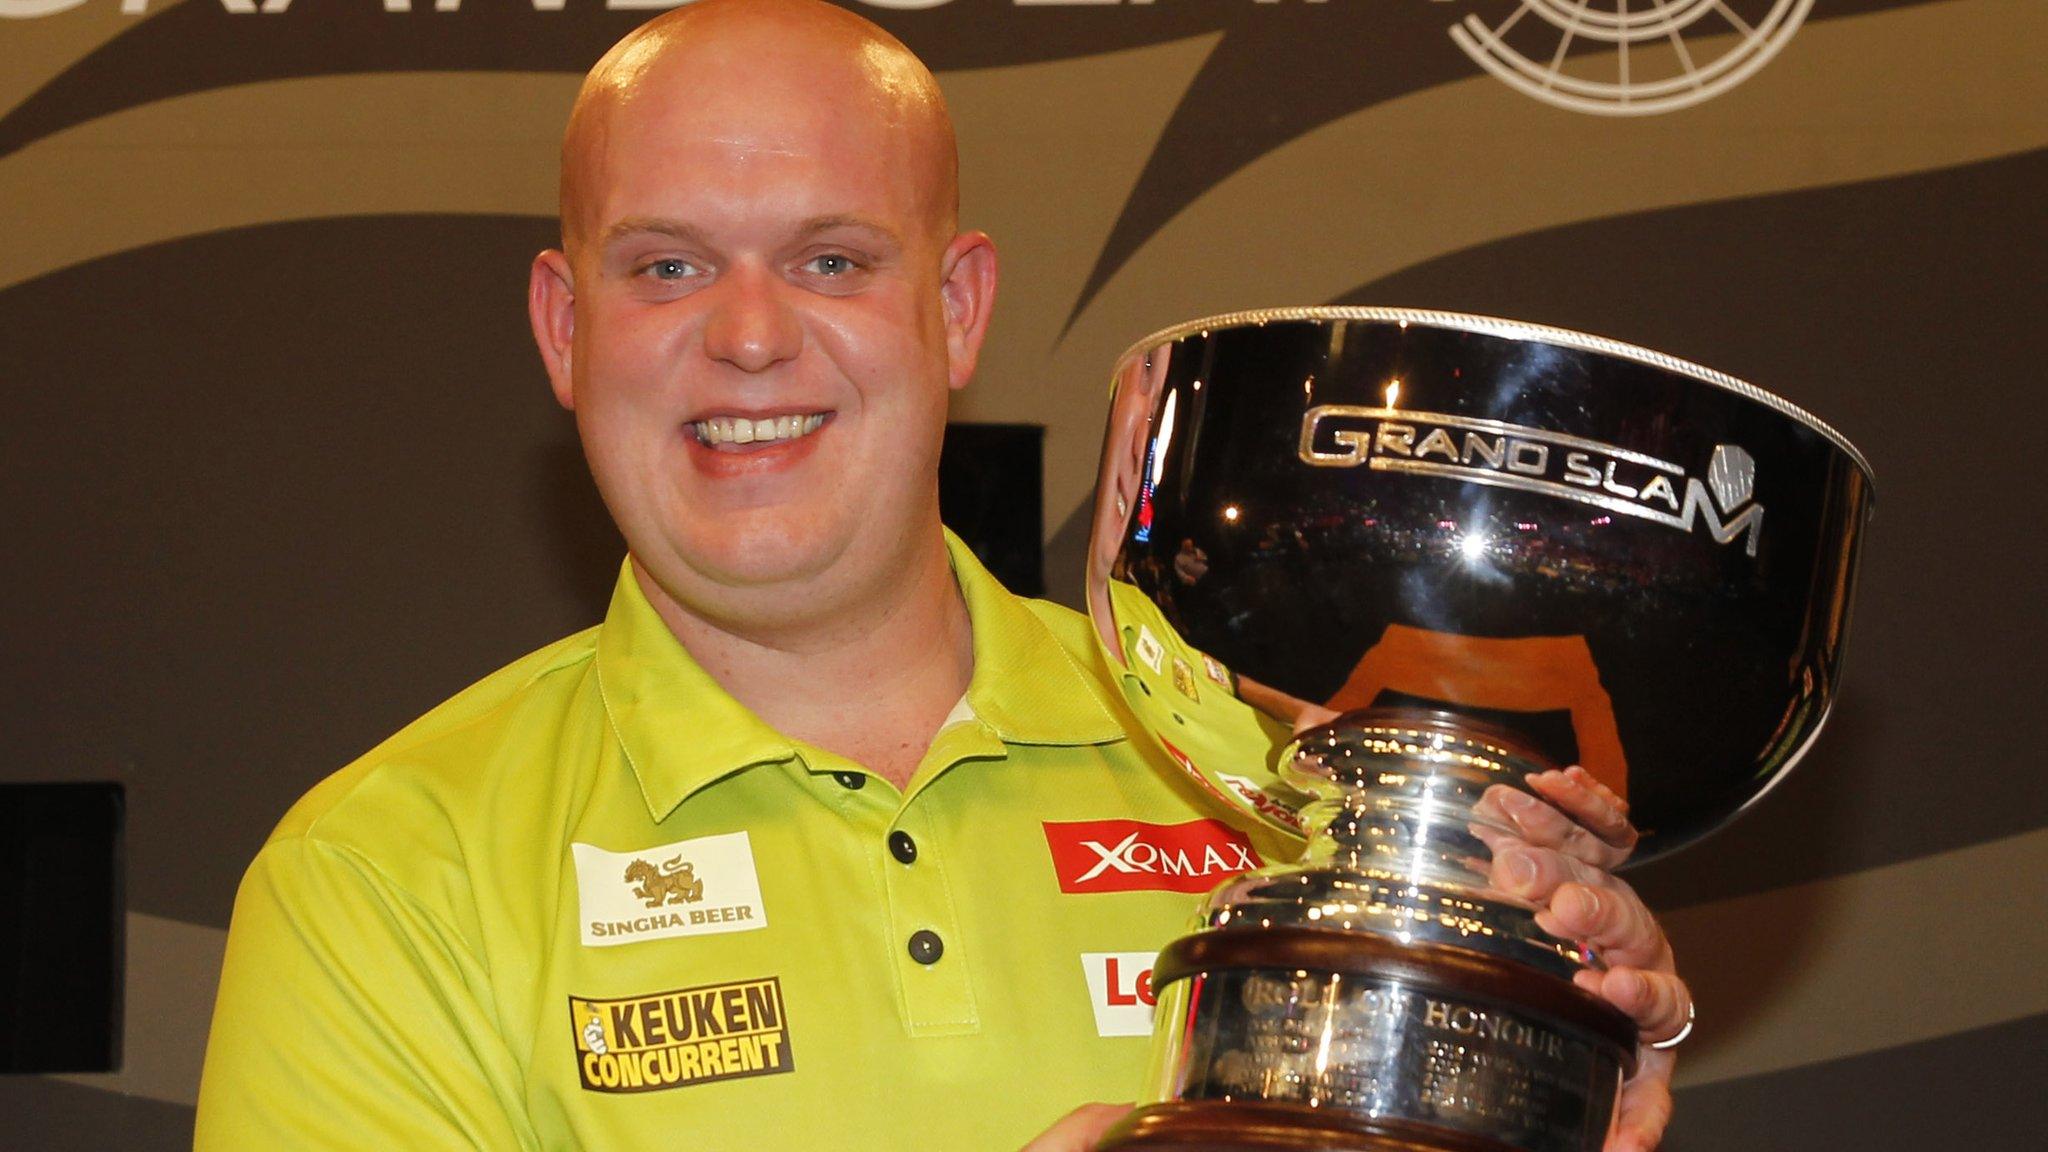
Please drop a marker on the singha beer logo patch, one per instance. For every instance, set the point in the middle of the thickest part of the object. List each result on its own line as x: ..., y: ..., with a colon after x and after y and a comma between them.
x: 1133, y: 856
x: 689, y: 888
x: 1537, y: 460
x: 688, y: 1036
x: 673, y: 882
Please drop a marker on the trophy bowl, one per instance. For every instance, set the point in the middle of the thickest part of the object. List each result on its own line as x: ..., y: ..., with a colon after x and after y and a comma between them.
x: 1488, y: 549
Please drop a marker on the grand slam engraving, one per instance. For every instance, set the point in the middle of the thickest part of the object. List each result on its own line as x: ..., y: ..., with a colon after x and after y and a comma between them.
x: 1538, y: 460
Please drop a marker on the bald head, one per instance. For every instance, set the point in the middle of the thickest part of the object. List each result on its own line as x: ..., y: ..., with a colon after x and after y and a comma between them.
x: 758, y: 207
x: 743, y: 62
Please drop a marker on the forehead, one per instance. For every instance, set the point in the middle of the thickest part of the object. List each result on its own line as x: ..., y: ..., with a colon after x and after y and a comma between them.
x: 718, y: 140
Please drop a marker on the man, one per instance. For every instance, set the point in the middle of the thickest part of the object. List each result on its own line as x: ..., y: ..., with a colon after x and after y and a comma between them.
x: 767, y: 858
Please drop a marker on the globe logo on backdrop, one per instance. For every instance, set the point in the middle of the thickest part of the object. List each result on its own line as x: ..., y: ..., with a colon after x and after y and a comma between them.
x: 1629, y: 57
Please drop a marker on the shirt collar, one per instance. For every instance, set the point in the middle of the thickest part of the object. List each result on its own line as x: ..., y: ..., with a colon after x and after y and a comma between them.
x: 1027, y: 688
x: 681, y: 732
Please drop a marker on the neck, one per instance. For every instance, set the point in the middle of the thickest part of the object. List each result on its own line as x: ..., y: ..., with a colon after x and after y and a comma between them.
x: 872, y: 685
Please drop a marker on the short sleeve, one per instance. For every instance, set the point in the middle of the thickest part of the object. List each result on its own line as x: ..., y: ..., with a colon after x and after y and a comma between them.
x: 350, y: 1017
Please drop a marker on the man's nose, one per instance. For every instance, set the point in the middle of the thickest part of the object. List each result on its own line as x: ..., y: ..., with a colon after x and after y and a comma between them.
x: 752, y: 327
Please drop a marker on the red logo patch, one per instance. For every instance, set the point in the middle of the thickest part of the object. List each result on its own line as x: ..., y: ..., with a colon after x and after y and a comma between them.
x: 1132, y: 856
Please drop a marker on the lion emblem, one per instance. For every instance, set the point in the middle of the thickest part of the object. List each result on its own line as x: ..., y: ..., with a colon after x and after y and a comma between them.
x: 675, y: 882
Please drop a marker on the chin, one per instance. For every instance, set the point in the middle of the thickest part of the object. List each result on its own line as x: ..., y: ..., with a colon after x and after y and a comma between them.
x: 763, y: 551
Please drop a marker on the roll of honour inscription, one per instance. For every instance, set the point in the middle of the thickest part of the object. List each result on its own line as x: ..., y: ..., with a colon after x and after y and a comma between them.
x: 1365, y: 571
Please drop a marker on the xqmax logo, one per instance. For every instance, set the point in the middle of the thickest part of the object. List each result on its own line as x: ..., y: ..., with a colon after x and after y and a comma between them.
x: 1133, y: 856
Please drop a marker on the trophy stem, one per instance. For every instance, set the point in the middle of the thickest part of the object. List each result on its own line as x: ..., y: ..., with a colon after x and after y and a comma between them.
x: 1382, y: 995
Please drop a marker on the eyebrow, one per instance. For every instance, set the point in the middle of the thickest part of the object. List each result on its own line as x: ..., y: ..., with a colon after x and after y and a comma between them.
x: 637, y: 225
x: 817, y: 224
x: 691, y: 234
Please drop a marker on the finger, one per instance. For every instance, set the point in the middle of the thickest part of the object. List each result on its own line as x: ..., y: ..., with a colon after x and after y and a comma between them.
x: 1659, y: 1002
x: 1496, y: 863
x: 1585, y: 777
x: 1645, y: 1108
x: 1534, y: 874
x: 1594, y: 805
x: 1312, y: 716
x: 1490, y: 806
x: 1496, y: 840
x: 1607, y: 914
x: 1079, y: 1130
x: 1545, y: 826
x: 1537, y: 822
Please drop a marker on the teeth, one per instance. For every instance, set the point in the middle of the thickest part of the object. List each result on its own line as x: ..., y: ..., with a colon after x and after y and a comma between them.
x: 741, y: 430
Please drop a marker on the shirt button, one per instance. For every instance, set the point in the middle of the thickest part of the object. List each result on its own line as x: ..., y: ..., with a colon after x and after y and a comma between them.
x: 904, y: 849
x: 926, y: 947
x: 851, y: 781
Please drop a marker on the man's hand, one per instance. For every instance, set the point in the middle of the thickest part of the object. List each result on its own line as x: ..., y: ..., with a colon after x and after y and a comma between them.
x: 1559, y: 859
x: 1078, y: 1130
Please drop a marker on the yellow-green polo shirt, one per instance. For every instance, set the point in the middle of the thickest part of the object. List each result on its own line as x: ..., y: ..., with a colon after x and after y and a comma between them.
x: 593, y: 902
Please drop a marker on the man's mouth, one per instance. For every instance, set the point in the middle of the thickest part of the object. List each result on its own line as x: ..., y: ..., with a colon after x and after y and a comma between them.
x: 719, y: 431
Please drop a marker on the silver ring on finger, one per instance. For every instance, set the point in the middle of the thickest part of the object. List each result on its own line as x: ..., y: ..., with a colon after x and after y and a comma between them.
x: 1675, y: 1041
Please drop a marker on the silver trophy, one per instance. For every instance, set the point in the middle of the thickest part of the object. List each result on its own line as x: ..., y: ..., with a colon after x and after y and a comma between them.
x: 1491, y: 549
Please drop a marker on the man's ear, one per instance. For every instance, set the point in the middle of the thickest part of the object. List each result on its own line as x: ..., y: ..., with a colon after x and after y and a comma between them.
x: 968, y: 292
x: 551, y: 309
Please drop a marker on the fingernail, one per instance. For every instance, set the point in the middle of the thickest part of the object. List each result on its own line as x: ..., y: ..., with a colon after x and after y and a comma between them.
x: 1521, y: 871
x: 1518, y: 801
x: 1591, y: 900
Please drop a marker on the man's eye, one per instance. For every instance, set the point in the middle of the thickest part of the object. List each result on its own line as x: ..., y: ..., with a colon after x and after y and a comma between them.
x: 670, y: 269
x: 832, y: 264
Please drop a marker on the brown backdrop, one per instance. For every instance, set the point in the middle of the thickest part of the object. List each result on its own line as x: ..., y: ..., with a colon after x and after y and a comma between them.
x: 281, y: 470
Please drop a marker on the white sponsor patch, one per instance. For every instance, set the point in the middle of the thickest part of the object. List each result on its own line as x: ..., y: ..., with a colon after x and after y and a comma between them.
x: 689, y: 888
x: 1261, y: 800
x: 1120, y: 991
x: 1150, y: 650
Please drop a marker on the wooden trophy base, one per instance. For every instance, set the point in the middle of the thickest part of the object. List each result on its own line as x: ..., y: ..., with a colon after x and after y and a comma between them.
x: 1243, y: 1126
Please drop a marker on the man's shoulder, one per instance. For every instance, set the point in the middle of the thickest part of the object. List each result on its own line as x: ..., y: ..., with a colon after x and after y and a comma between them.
x: 456, y: 753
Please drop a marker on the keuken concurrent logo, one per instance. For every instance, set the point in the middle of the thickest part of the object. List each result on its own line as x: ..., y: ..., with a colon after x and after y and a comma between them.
x: 684, y: 1037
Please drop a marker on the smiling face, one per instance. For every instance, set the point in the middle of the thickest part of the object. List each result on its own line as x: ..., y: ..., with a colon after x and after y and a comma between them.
x: 763, y: 308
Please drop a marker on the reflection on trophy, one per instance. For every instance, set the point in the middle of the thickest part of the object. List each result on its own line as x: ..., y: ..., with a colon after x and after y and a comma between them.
x: 1492, y: 549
